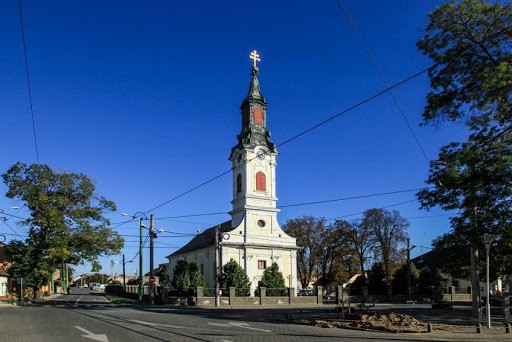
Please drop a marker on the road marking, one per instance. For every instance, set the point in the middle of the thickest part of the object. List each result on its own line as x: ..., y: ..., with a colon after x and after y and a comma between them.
x: 76, y: 301
x: 92, y: 336
x: 142, y: 322
x: 155, y: 324
x: 238, y: 325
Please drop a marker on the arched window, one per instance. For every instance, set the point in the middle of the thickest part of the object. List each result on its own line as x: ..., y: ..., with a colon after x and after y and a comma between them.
x: 261, y: 181
x: 238, y: 183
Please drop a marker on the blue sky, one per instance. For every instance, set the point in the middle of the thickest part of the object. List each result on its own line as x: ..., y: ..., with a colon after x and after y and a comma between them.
x: 143, y: 97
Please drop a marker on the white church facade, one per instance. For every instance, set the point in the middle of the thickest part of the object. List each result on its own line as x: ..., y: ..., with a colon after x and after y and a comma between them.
x: 253, y: 237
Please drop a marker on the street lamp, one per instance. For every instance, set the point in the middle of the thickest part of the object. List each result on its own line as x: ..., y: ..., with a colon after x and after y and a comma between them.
x: 487, y: 240
x: 141, y: 216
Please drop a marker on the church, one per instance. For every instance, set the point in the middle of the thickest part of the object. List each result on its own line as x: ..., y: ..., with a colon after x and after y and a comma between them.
x: 252, y: 237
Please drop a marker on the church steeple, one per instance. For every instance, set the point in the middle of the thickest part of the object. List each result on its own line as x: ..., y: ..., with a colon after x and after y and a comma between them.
x: 254, y: 159
x: 254, y: 115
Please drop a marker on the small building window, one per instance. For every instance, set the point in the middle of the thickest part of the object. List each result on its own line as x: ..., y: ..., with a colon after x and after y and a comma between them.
x: 238, y: 183
x: 262, y: 264
x: 261, y: 181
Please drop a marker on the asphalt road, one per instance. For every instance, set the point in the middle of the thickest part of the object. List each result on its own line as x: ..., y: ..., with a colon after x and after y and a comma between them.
x: 96, y: 320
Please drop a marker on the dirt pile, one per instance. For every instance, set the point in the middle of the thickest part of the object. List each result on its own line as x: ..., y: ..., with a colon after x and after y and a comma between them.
x: 391, y: 322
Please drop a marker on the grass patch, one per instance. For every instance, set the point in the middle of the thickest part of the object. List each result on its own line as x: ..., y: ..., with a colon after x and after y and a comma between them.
x: 118, y: 300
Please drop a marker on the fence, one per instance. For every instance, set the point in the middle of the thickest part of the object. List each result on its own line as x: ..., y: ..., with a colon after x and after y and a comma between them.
x: 261, y: 299
x: 317, y: 296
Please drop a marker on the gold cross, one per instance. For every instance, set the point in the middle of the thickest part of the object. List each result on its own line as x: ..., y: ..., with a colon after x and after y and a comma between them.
x: 255, y: 57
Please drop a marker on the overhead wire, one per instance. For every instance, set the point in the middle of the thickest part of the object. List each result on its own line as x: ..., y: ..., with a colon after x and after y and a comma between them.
x: 362, y: 212
x: 350, y: 198
x: 9, y: 226
x: 381, y: 75
x: 28, y: 79
x: 331, y: 118
x: 368, y: 99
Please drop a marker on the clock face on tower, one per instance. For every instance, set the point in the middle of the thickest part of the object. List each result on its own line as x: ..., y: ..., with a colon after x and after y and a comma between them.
x: 260, y: 155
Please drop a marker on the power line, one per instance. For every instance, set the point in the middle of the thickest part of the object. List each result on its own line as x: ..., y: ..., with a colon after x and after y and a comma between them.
x: 362, y: 212
x: 297, y: 204
x: 8, y: 225
x: 375, y: 65
x: 28, y: 79
x: 350, y: 198
x: 331, y: 118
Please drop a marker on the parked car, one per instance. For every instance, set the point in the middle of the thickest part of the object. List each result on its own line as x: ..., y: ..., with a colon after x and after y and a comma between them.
x: 96, y: 286
x: 305, y: 293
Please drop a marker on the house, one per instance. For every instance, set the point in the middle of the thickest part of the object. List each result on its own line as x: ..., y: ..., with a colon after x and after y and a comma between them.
x: 5, y: 262
x: 252, y: 237
x: 457, y: 286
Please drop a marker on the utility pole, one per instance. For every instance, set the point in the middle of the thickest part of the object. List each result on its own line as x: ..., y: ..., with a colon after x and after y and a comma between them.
x: 152, y: 235
x: 141, y: 294
x: 112, y: 264
x: 408, y: 269
x: 217, y: 298
x: 487, y: 239
x: 124, y: 275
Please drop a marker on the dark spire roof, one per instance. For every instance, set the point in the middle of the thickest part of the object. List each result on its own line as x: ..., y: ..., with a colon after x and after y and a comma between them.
x: 205, y: 239
x: 254, y: 135
x: 254, y: 89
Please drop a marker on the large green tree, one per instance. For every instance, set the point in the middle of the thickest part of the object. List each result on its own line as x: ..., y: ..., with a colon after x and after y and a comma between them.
x: 471, y: 82
x: 469, y: 41
x: 234, y: 276
x: 66, y: 223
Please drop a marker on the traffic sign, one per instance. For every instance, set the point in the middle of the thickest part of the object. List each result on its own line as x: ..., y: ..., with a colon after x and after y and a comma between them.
x: 152, y: 279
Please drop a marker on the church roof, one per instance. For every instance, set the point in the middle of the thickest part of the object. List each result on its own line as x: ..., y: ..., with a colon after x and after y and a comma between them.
x: 205, y: 239
x: 424, y: 260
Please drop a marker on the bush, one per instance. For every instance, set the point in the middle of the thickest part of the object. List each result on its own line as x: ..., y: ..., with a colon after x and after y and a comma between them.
x: 28, y: 294
x: 11, y: 298
x: 234, y: 276
x: 114, y: 289
x: 273, y: 280
x: 187, y: 277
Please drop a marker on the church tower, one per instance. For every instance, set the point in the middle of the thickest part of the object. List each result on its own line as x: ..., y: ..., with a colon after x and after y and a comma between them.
x: 252, y: 237
x: 253, y: 161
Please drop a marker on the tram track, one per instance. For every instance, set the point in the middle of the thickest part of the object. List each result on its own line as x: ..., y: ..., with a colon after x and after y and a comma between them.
x: 154, y: 330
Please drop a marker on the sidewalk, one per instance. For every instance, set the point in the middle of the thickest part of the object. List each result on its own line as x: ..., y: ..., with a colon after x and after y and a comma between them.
x: 459, y: 318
